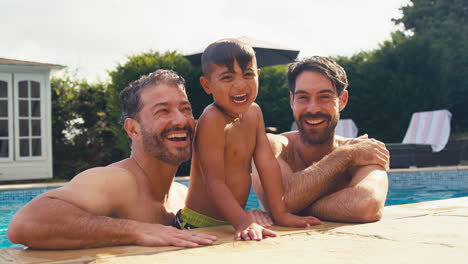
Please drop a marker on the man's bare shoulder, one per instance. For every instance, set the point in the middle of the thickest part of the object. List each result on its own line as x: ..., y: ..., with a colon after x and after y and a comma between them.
x: 114, y: 170
x: 101, y: 190
x: 281, y: 143
x: 112, y: 178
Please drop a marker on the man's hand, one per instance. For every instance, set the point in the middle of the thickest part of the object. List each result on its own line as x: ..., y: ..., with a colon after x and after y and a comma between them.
x: 368, y: 151
x: 288, y: 219
x: 260, y: 217
x: 160, y: 235
x: 253, y: 231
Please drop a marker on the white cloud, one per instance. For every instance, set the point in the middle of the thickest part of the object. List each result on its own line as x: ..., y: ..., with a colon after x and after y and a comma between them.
x: 93, y: 36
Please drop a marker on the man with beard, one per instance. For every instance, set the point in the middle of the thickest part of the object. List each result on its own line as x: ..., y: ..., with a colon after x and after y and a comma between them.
x: 324, y: 175
x: 133, y: 200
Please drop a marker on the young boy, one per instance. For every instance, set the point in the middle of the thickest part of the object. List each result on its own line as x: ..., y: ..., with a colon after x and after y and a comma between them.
x: 228, y: 134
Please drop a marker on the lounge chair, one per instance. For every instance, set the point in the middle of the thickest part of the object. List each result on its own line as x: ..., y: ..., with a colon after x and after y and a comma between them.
x: 429, y: 128
x: 346, y: 128
x: 427, y: 134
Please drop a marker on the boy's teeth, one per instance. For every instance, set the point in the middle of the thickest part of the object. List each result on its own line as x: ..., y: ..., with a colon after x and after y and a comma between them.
x: 239, y: 98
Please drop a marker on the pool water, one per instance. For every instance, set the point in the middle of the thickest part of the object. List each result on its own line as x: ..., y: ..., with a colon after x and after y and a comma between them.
x: 10, y: 202
x: 6, y: 214
x: 421, y: 193
x: 403, y: 188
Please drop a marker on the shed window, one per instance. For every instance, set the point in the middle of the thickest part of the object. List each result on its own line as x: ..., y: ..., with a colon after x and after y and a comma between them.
x: 4, y: 120
x: 30, y: 118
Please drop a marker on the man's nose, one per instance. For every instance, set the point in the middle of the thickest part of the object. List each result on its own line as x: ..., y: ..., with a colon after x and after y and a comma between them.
x: 313, y: 107
x: 179, y: 118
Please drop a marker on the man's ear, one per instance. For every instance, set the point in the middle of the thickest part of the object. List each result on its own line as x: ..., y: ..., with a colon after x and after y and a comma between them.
x: 291, y: 99
x: 205, y: 83
x: 132, y: 127
x: 258, y: 72
x: 343, y: 99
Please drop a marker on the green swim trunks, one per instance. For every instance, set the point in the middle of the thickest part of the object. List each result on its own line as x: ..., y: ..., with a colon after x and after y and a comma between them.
x: 189, y: 219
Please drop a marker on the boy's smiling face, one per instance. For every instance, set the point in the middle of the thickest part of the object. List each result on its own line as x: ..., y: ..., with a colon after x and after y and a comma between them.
x: 233, y: 91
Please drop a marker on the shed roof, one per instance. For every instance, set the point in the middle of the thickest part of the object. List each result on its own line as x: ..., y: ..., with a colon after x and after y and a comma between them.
x: 4, y: 61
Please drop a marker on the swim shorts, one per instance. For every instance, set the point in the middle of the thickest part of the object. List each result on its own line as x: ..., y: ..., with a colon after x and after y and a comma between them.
x: 189, y: 219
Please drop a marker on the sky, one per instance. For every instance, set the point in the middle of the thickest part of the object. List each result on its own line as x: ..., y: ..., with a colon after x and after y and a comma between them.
x: 91, y: 37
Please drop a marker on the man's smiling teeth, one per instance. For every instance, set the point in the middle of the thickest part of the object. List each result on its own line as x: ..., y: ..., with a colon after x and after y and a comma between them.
x: 177, y: 136
x: 238, y: 99
x: 314, y: 122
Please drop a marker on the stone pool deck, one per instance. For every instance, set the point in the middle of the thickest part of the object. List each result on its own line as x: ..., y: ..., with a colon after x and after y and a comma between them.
x: 428, y: 232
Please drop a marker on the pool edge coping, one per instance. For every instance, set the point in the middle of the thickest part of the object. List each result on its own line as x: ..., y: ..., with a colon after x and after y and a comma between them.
x: 6, y: 187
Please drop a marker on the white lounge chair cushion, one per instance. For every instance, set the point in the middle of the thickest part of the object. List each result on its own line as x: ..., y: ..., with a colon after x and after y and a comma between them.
x: 431, y: 128
x: 346, y: 128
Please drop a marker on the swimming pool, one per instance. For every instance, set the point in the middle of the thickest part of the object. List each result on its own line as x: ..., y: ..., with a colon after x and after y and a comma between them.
x: 404, y: 187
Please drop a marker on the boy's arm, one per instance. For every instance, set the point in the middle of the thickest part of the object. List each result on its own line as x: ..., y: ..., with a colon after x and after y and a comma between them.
x: 77, y: 216
x: 209, y: 148
x: 270, y: 177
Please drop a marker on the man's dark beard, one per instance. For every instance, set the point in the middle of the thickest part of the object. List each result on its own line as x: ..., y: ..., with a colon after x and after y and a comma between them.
x: 314, y: 138
x: 154, y: 145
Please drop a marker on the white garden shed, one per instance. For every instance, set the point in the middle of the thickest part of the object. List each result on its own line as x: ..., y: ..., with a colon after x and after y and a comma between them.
x: 25, y: 120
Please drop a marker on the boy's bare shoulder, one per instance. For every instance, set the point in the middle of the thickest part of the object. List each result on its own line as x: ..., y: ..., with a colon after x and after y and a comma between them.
x: 254, y: 113
x: 211, y: 114
x: 255, y: 108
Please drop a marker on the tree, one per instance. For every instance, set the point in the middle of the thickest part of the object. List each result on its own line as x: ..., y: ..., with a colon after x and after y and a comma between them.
x: 443, y: 25
x: 389, y: 84
x: 81, y: 135
x: 423, y: 69
x: 273, y: 98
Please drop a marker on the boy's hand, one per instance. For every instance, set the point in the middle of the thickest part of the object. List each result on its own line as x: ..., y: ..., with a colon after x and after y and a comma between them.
x: 292, y: 220
x: 254, y: 232
x: 260, y: 217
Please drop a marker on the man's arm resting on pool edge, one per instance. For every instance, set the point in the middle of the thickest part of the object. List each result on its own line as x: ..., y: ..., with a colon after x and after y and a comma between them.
x: 304, y: 187
x: 65, y: 218
x: 54, y: 224
x: 360, y: 202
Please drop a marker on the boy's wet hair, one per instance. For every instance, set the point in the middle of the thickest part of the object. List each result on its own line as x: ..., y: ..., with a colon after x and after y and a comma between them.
x: 223, y: 53
x: 323, y: 65
x: 130, y: 104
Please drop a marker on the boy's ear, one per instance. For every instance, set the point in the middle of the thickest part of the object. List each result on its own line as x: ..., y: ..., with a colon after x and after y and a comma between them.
x: 132, y: 127
x: 258, y: 72
x: 343, y: 99
x: 205, y: 83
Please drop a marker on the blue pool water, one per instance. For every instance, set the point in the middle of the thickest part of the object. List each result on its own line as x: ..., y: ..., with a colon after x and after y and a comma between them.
x: 404, y: 187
